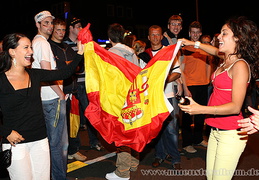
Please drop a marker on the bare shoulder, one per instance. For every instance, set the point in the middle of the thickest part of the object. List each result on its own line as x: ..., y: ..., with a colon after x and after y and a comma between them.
x: 240, y: 64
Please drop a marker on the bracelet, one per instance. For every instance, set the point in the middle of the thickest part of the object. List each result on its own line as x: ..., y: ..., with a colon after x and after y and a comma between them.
x: 215, y: 110
x: 197, y: 44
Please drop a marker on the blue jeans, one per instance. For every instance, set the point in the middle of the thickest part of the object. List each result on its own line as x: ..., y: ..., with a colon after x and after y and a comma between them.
x: 83, y: 103
x: 56, y: 123
x: 168, y: 142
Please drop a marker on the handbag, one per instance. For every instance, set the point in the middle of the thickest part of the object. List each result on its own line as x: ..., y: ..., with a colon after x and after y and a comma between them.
x: 5, y: 158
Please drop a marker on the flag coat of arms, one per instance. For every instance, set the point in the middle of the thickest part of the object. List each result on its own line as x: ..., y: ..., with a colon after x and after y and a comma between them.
x: 127, y: 104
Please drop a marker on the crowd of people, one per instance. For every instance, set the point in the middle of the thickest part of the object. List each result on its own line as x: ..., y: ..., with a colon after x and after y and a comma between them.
x: 213, y: 73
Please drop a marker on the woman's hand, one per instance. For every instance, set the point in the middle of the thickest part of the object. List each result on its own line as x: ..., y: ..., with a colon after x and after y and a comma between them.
x: 186, y: 42
x: 193, y: 108
x: 80, y: 47
x: 251, y: 124
x: 14, y: 138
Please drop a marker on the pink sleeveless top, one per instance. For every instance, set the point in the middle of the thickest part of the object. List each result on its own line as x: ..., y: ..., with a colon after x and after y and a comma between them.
x: 222, y: 94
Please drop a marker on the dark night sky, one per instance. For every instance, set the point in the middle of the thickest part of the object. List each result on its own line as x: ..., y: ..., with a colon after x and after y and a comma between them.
x: 212, y: 14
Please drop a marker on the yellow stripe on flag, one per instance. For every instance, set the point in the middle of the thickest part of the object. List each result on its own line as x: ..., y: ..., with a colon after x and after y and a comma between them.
x: 74, y: 125
x: 75, y: 165
x: 104, y: 78
x: 150, y: 99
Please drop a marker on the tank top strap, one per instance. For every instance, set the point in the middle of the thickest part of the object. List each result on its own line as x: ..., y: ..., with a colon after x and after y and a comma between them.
x: 245, y: 62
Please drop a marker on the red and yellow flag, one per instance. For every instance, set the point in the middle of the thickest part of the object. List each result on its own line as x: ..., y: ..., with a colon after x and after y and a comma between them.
x: 127, y: 104
x: 74, y: 117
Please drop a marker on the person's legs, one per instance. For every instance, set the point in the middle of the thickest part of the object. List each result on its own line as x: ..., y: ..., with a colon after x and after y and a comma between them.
x: 230, y: 147
x: 200, y: 95
x: 123, y: 162
x: 172, y: 134
x: 40, y: 159
x: 160, y: 152
x: 187, y: 135
x: 30, y: 161
x: 134, y: 160
x: 55, y: 118
x: 211, y: 154
x: 20, y: 168
x: 83, y: 103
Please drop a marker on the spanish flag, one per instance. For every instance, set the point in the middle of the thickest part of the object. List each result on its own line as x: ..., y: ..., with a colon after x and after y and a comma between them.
x: 127, y: 104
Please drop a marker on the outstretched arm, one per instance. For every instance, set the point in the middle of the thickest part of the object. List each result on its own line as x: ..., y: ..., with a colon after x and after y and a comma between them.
x: 205, y: 47
x: 53, y: 75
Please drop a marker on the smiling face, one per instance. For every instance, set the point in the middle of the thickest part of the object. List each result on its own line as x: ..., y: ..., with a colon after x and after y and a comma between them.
x: 155, y: 36
x: 175, y: 26
x: 227, y: 41
x: 195, y: 34
x: 22, y: 53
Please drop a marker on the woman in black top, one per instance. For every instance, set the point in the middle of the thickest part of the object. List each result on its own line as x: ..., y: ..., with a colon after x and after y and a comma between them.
x: 20, y: 102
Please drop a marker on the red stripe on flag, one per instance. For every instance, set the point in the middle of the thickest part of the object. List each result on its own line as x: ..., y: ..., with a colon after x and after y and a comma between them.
x: 112, y: 130
x: 129, y: 69
x: 165, y: 54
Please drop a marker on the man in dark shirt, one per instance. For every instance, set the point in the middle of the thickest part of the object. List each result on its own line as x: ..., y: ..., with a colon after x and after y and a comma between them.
x: 74, y: 27
x: 64, y: 54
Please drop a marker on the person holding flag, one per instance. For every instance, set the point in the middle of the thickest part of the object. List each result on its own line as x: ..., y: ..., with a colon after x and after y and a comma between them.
x: 137, y: 115
x: 167, y: 144
x: 239, y: 43
x: 127, y: 158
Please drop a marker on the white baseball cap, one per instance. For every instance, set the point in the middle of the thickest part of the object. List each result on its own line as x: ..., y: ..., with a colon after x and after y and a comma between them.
x: 42, y: 15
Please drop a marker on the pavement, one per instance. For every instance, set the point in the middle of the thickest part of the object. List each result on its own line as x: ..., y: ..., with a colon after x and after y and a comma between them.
x: 99, y: 163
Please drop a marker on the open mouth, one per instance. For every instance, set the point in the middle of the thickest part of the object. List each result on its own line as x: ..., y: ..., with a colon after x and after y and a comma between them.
x: 28, y: 58
x: 221, y: 44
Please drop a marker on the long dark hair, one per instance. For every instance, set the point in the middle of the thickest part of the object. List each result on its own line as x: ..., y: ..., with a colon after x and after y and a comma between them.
x: 246, y: 31
x: 10, y: 41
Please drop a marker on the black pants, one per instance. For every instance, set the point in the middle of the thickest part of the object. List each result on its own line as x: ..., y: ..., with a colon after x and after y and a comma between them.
x: 194, y: 135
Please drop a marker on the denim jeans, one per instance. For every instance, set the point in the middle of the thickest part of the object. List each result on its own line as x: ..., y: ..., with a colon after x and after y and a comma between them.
x: 83, y: 103
x: 56, y: 123
x: 168, y: 142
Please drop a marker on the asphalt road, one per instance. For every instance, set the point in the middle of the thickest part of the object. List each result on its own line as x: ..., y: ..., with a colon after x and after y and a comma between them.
x: 100, y: 163
x: 193, y: 164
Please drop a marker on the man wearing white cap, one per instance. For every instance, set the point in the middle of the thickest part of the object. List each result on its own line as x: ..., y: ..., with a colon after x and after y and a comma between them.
x: 53, y: 98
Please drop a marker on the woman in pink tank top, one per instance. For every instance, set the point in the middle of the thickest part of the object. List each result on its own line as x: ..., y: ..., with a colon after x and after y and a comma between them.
x: 239, y: 49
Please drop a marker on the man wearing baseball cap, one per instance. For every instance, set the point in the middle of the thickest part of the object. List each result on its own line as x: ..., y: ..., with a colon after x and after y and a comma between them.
x: 53, y: 98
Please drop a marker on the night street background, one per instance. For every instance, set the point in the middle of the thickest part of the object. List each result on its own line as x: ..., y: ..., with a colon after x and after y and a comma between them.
x: 134, y: 15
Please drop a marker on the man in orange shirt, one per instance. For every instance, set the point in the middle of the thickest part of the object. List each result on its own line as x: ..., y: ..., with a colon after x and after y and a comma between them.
x: 196, y: 77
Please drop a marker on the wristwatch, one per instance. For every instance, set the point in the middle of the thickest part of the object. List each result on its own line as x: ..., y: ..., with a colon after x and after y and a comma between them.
x: 197, y: 44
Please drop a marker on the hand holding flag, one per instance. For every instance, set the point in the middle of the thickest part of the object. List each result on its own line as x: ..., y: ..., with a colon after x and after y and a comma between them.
x: 85, y: 35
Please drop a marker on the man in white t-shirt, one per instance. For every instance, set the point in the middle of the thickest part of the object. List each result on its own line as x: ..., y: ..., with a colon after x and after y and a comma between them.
x: 168, y: 141
x: 53, y: 98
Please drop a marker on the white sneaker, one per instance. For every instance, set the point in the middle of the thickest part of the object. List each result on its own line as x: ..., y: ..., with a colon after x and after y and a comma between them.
x: 113, y: 176
x: 190, y: 149
x: 77, y: 156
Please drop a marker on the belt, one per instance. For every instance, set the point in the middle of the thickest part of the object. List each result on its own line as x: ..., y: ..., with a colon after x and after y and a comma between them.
x: 217, y: 129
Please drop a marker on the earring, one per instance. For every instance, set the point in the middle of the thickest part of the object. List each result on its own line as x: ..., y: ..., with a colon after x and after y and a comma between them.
x: 14, y: 62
